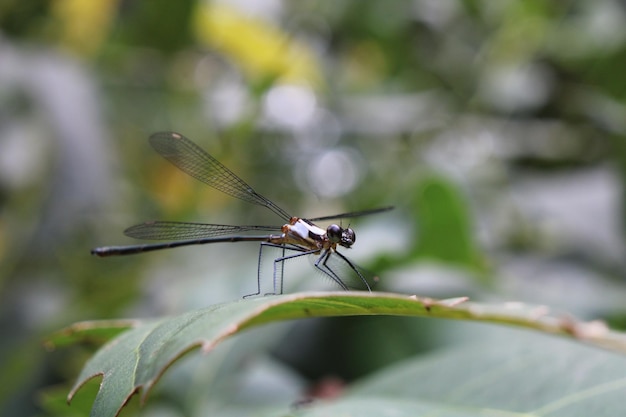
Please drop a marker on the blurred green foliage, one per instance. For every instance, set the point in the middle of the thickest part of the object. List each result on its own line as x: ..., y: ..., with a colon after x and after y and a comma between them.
x: 496, y: 129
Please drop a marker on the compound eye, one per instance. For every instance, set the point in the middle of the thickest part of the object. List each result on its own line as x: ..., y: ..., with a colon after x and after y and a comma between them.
x: 334, y: 233
x: 348, y: 237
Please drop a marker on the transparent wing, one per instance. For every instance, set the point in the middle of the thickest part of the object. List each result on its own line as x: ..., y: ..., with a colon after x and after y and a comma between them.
x: 164, y: 230
x: 193, y: 160
x: 351, y: 214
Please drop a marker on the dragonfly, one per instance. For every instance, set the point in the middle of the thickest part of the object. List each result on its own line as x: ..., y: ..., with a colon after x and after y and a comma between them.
x: 296, y: 237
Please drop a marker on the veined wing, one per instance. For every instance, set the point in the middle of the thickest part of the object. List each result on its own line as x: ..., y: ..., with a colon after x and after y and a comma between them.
x: 352, y: 214
x: 165, y: 230
x: 195, y: 161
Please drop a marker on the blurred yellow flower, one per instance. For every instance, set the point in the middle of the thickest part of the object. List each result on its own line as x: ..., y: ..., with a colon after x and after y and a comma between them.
x: 259, y: 49
x: 83, y: 24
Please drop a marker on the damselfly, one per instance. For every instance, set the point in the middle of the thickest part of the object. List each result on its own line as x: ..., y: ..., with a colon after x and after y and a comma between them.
x: 298, y: 236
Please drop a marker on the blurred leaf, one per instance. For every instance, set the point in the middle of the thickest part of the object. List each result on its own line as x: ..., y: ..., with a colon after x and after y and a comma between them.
x: 54, y: 400
x: 158, y: 24
x: 528, y: 374
x: 445, y: 230
x: 21, y: 18
x: 137, y: 358
x: 18, y: 365
x: 89, y: 331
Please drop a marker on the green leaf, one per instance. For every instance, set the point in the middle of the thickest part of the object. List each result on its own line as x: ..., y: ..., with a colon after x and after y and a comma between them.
x: 524, y: 374
x: 137, y: 358
x: 442, y: 212
x: 96, y: 332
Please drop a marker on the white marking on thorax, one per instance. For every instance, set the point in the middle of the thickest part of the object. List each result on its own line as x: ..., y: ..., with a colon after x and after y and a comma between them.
x: 304, y: 229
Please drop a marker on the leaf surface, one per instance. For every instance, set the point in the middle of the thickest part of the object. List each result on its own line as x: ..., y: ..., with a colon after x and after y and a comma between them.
x: 522, y: 374
x: 136, y: 359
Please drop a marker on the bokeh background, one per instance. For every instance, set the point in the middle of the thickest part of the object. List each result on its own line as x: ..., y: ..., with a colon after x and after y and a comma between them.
x: 496, y: 128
